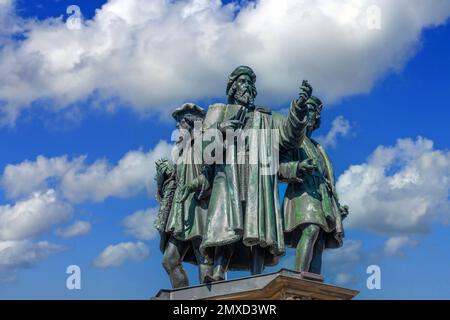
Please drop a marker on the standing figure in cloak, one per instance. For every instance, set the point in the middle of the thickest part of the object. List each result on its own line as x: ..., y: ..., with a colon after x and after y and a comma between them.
x: 312, y: 213
x: 185, y: 222
x: 244, y: 229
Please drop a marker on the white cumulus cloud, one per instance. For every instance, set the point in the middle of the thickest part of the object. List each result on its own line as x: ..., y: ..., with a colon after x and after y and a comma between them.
x: 22, y: 254
x: 394, y: 246
x: 28, y: 176
x: 116, y: 255
x: 78, y: 228
x: 140, y: 224
x: 339, y: 127
x: 150, y: 55
x: 45, y: 190
x: 78, y: 181
x: 32, y: 216
x: 401, y: 189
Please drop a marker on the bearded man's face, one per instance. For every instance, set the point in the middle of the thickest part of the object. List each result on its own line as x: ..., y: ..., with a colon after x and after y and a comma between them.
x: 244, y: 91
x: 313, y: 120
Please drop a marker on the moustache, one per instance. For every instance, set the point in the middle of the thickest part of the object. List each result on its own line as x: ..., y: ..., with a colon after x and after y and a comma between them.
x: 247, y: 92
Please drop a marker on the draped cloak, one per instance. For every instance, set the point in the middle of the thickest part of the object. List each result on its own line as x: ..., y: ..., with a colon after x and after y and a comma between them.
x: 260, y: 222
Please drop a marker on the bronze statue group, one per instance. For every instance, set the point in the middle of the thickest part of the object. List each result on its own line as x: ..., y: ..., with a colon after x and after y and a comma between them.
x: 228, y: 215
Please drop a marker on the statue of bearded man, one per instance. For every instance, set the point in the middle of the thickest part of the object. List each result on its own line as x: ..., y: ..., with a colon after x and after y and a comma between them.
x: 244, y: 228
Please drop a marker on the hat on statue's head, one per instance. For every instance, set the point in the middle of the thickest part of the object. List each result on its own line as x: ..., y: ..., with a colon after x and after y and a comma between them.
x: 239, y: 71
x: 188, y: 108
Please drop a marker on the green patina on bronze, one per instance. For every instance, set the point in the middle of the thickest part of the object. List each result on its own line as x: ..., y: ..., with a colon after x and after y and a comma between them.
x: 258, y: 221
x: 227, y: 215
x: 244, y: 228
x: 182, y: 224
x: 165, y: 195
x: 187, y: 219
x: 311, y: 198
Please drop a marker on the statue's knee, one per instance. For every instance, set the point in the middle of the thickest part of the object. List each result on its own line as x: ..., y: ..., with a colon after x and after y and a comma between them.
x: 311, y: 231
x: 169, y: 263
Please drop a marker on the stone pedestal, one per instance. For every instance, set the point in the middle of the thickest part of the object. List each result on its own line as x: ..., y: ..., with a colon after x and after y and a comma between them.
x: 282, y: 285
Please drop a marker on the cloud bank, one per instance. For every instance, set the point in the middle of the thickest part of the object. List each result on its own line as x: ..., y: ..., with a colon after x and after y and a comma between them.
x: 78, y: 181
x: 46, y: 190
x: 32, y: 216
x: 153, y: 55
x: 400, y: 190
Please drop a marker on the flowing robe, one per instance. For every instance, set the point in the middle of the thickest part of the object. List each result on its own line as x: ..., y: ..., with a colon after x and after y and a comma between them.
x: 257, y: 219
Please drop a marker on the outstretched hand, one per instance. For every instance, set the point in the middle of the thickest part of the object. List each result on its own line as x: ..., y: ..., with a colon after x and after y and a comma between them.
x: 305, y: 91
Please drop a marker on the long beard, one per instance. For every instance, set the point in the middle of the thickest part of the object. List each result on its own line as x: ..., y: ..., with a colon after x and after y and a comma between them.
x: 244, y: 97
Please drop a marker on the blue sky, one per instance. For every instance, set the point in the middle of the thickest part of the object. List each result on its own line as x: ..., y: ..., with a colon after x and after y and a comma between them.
x: 384, y: 87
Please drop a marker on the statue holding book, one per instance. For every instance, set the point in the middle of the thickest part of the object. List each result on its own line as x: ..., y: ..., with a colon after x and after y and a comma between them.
x: 245, y: 227
x: 242, y: 222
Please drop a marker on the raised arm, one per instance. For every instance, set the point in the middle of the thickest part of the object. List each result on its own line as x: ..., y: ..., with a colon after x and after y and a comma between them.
x: 293, y: 127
